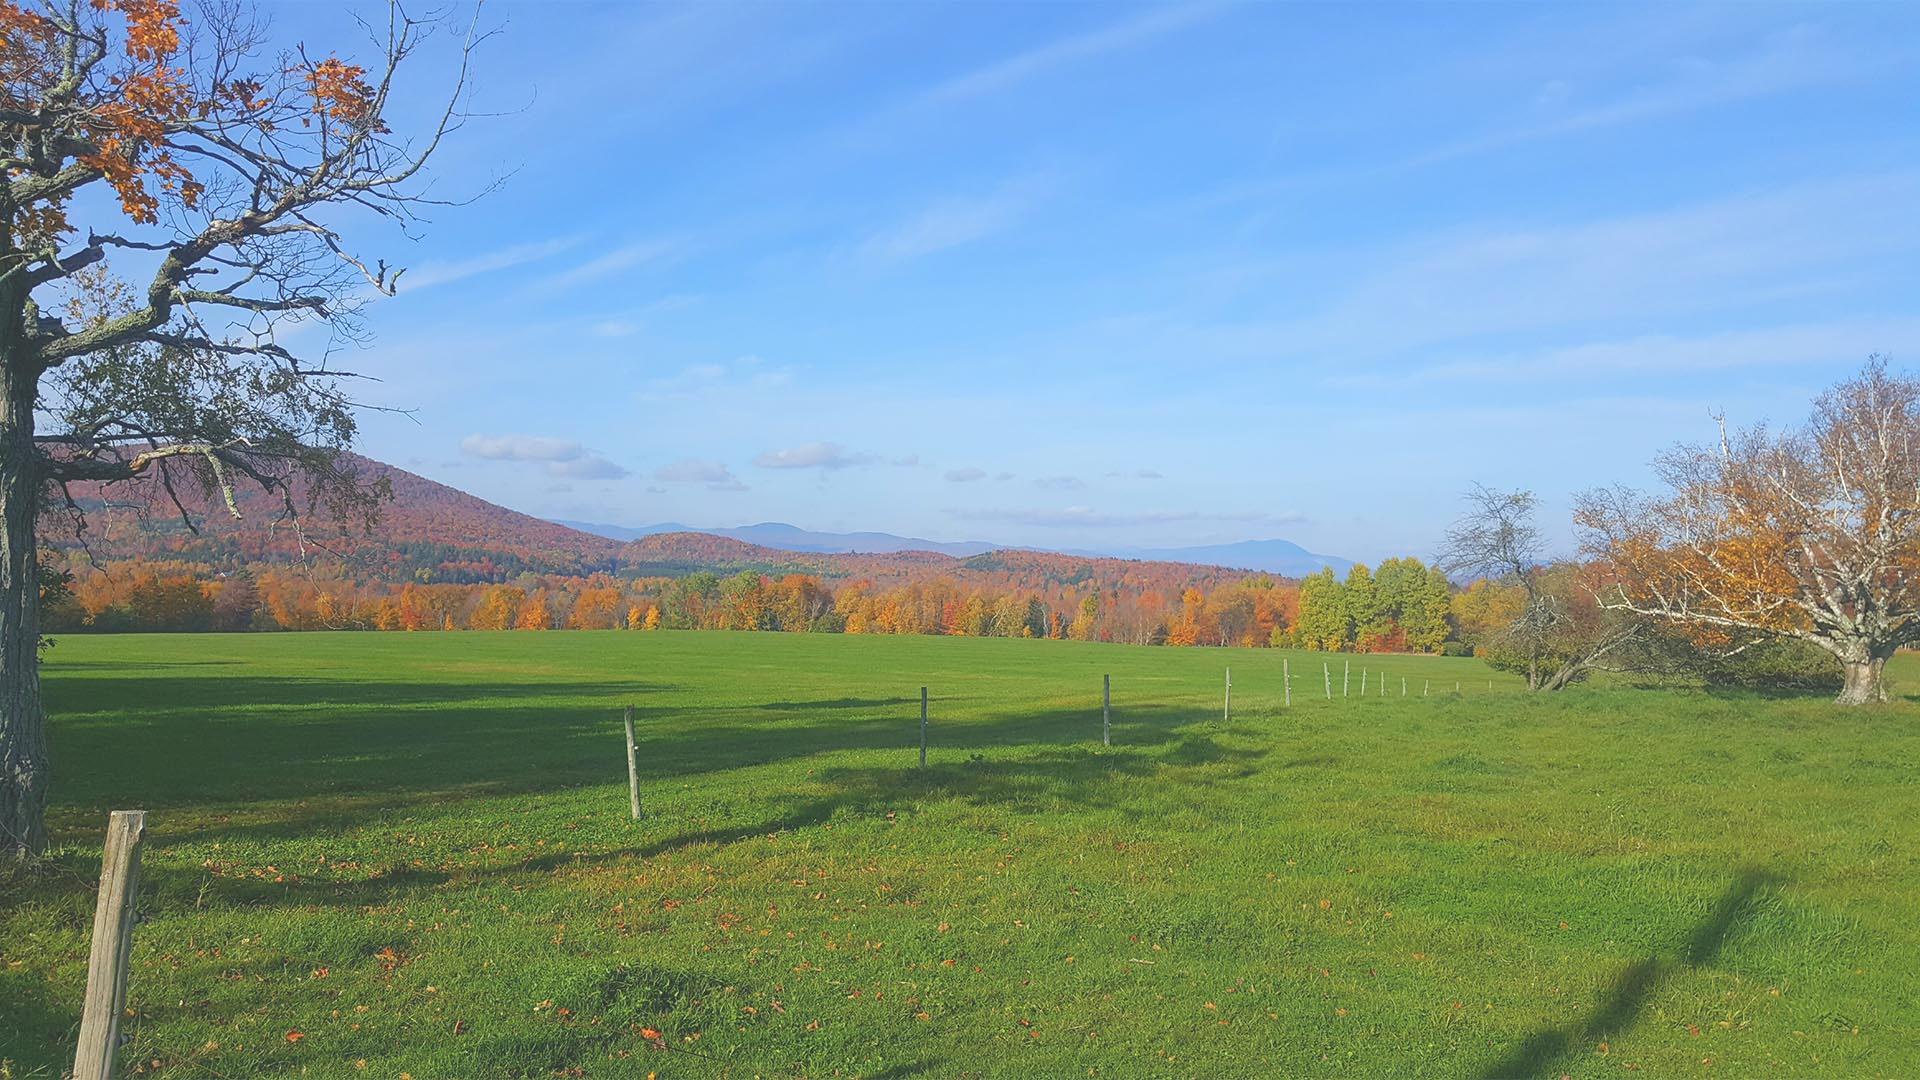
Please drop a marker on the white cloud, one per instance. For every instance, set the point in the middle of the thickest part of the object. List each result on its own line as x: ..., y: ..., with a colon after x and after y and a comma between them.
x: 694, y: 471
x: 589, y: 467
x: 521, y: 448
x: 819, y: 455
x: 967, y: 475
x: 559, y: 457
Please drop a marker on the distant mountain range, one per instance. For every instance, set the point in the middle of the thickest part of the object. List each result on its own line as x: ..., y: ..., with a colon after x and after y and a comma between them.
x: 430, y: 532
x: 1271, y: 556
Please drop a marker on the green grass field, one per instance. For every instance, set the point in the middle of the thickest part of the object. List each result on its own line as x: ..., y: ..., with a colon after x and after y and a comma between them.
x: 409, y: 855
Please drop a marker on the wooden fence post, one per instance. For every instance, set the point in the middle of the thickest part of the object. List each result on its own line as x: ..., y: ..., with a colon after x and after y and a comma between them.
x: 1286, y: 679
x: 633, y: 766
x: 1363, y: 682
x: 1403, y: 686
x: 113, y: 918
x: 1106, y: 710
x: 1326, y: 673
x: 1426, y: 688
x: 923, y: 727
x: 1346, y: 677
x: 1226, y: 709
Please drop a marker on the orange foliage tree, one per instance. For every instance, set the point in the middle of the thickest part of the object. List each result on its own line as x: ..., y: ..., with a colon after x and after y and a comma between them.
x: 1811, y: 534
x: 227, y: 163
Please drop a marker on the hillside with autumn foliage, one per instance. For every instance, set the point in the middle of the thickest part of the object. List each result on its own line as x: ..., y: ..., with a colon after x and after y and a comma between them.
x: 436, y: 558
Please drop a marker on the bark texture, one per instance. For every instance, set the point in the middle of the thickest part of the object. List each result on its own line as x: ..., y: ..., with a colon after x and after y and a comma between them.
x: 23, y: 743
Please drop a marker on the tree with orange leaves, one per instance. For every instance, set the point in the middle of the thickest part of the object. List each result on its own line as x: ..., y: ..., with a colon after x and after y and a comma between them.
x: 1811, y: 534
x: 231, y: 167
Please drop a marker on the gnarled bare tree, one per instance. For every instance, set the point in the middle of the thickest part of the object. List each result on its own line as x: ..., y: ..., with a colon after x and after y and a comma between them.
x: 1812, y: 533
x: 1560, y: 634
x: 233, y: 172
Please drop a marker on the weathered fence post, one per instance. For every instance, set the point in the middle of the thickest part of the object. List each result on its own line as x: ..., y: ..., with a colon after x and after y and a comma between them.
x: 1403, y: 686
x: 1326, y: 672
x: 1346, y: 677
x: 633, y: 767
x: 1286, y: 679
x: 1226, y: 709
x: 1363, y: 682
x: 1426, y: 688
x: 923, y: 727
x: 113, y: 918
x: 1106, y: 710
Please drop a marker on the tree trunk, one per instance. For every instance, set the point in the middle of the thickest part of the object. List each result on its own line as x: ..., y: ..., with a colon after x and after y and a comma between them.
x: 1865, y: 672
x: 23, y: 741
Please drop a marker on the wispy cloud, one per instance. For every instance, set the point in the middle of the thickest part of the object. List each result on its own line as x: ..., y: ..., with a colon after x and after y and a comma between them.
x: 1634, y: 270
x: 1789, y: 60
x: 559, y: 457
x: 953, y: 222
x: 742, y: 374
x: 1829, y: 345
x: 1087, y: 517
x: 1136, y: 474
x: 1059, y: 483
x: 966, y: 475
x: 429, y: 274
x: 1014, y: 70
x: 826, y: 456
x: 606, y: 265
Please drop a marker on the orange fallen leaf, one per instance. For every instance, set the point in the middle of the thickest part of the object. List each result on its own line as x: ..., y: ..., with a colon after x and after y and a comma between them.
x: 294, y: 1036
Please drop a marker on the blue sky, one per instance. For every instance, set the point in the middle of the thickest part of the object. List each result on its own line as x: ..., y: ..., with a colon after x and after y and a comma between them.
x: 1097, y: 274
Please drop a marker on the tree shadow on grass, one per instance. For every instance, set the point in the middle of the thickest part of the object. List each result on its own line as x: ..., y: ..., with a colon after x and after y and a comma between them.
x: 274, y: 758
x: 1620, y: 1009
x: 840, y: 703
x: 1050, y: 779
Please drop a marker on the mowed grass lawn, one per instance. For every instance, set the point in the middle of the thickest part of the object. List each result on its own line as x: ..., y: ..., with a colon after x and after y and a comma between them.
x: 410, y: 855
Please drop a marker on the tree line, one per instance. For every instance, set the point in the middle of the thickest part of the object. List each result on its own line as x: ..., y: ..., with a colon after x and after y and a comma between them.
x: 1402, y: 606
